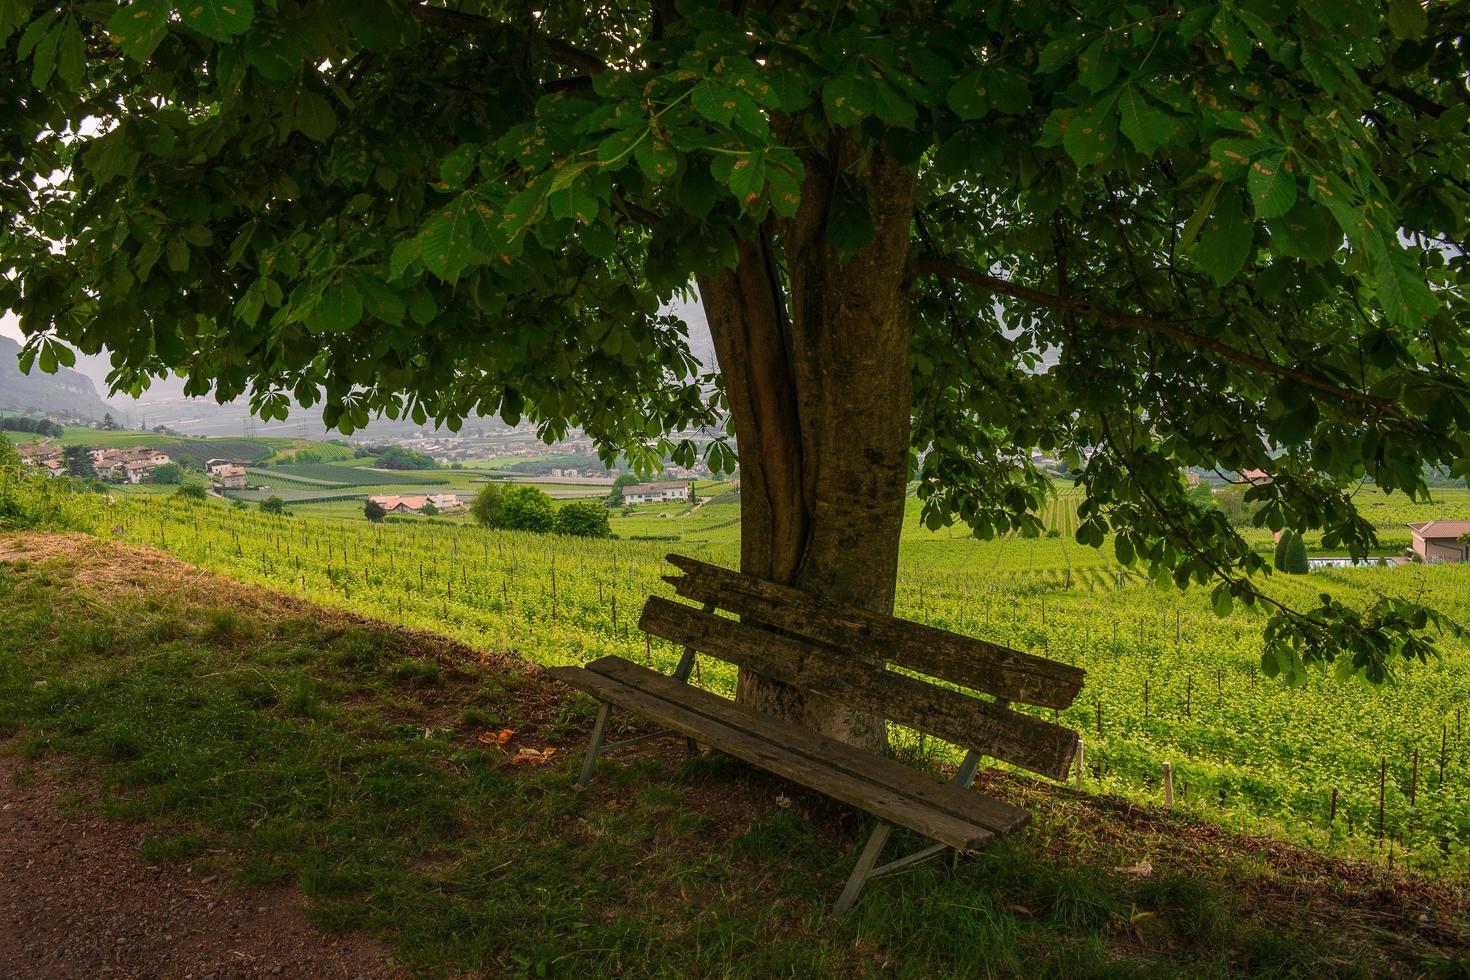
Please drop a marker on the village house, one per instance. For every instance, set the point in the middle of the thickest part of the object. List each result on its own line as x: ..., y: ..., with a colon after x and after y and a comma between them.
x: 655, y: 493
x: 230, y: 477
x: 132, y: 465
x: 1440, y: 541
x: 399, y: 504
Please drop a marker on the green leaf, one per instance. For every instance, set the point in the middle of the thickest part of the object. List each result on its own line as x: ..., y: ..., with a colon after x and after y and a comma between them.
x: 1272, y: 186
x: 1402, y: 292
x: 1234, y: 40
x: 848, y: 96
x: 714, y: 102
x: 1307, y: 231
x: 445, y: 242
x: 1197, y: 220
x: 1225, y: 243
x: 697, y: 191
x: 405, y: 253
x: 314, y: 116
x: 656, y: 159
x: 219, y: 20
x: 968, y: 97
x: 1407, y: 19
x: 613, y: 151
x: 71, y: 55
x: 1097, y: 66
x: 1221, y: 601
x: 1092, y: 134
x: 890, y: 105
x: 457, y: 165
x: 43, y: 58
x: 338, y: 310
x: 1146, y: 126
x: 748, y: 178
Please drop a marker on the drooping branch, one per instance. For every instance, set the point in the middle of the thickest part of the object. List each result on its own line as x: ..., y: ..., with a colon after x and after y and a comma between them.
x: 934, y: 265
x: 556, y: 49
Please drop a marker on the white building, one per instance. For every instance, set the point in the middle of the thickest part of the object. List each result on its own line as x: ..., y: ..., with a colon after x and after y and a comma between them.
x: 655, y: 493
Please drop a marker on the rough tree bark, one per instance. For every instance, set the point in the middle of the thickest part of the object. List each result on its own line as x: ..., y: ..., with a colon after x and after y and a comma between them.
x: 816, y: 365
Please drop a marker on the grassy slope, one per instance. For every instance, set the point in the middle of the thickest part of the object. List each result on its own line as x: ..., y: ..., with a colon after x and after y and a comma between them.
x: 286, y: 743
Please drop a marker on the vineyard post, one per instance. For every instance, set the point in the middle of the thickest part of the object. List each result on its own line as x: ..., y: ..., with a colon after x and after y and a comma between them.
x: 1444, y: 741
x: 1145, y: 699
x: 1414, y: 778
x: 1099, y: 718
x: 1176, y: 628
x: 1168, y: 784
x: 553, y: 589
x: 614, y: 614
x: 1081, y: 760
x: 1332, y: 807
x: 1188, y: 696
x: 1382, y: 783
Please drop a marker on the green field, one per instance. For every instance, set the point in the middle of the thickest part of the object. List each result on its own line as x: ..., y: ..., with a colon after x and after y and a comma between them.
x: 1167, y: 680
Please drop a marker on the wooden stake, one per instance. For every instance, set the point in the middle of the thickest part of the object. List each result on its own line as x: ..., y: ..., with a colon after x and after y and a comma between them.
x: 1382, y: 782
x: 1414, y: 778
x: 1081, y: 761
x: 1332, y: 808
x: 1099, y: 719
x: 1168, y: 784
x: 1188, y: 696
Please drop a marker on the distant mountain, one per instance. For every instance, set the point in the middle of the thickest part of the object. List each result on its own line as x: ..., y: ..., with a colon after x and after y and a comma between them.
x: 65, y: 393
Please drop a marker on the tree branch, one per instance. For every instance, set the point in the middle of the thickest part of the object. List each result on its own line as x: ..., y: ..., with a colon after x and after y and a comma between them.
x: 554, y: 48
x: 943, y: 268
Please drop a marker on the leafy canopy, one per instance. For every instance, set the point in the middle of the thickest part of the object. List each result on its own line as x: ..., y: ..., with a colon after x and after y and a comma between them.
x: 1147, y: 236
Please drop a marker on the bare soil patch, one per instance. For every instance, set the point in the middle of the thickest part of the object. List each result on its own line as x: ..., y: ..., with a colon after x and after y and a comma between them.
x: 77, y: 900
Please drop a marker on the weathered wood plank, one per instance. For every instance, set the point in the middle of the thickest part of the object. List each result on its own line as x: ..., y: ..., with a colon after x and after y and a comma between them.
x: 962, y: 660
x: 809, y: 768
x: 995, y: 816
x: 951, y: 715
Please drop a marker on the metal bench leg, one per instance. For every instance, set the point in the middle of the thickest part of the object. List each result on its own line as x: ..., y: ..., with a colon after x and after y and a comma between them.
x: 598, y: 729
x: 864, y: 868
x: 867, y: 869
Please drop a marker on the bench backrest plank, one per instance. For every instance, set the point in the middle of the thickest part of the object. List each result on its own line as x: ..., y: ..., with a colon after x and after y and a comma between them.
x: 944, y: 713
x: 963, y: 660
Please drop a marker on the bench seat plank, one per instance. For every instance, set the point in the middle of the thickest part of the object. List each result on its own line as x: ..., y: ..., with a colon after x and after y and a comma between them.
x: 962, y: 719
x: 890, y: 791
x: 964, y: 660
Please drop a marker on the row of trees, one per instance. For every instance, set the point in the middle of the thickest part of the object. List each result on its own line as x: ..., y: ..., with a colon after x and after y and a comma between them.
x: 528, y: 508
x: 21, y: 423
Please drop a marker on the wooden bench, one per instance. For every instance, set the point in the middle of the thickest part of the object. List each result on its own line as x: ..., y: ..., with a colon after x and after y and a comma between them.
x: 845, y: 653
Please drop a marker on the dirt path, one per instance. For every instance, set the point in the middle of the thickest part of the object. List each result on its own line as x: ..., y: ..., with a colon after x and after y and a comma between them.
x: 77, y: 900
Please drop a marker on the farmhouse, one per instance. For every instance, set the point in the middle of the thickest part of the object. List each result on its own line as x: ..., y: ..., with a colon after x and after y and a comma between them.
x: 655, y: 493
x: 1439, y: 541
x: 230, y: 477
x: 132, y: 465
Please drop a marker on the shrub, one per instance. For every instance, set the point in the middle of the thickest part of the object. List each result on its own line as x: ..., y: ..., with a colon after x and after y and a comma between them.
x: 1291, y: 554
x: 526, y: 508
x: 273, y: 505
x: 485, y: 508
x: 194, y: 491
x: 582, y: 519
x: 373, y: 511
x: 168, y: 473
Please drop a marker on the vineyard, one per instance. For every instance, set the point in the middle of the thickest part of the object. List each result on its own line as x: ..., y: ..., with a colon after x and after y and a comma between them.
x: 1341, y: 765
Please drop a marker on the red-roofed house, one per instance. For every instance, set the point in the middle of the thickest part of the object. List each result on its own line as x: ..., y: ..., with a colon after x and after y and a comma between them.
x: 1439, y: 541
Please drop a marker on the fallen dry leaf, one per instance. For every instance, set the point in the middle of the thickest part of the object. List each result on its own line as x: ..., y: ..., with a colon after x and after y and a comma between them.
x: 1143, y: 869
x: 533, y: 756
x: 497, y: 738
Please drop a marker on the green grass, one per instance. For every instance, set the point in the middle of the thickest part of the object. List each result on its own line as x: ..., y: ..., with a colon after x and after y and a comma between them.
x: 291, y: 745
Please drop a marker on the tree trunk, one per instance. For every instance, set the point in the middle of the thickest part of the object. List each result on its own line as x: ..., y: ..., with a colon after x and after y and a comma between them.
x: 819, y: 391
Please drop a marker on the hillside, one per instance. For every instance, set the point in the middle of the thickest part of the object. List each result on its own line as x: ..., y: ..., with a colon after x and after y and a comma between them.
x: 259, y: 738
x: 65, y: 393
